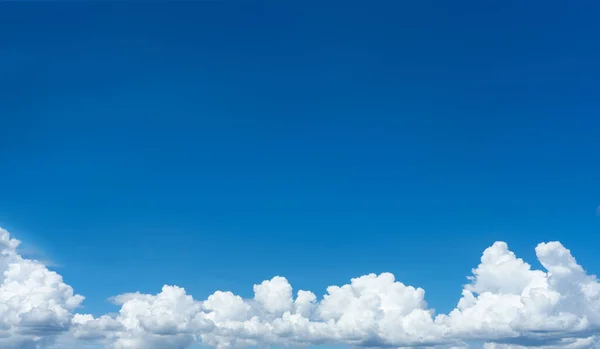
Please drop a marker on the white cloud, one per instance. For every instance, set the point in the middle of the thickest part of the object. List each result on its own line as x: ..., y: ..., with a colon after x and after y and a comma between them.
x: 274, y: 295
x: 509, y: 301
x: 564, y: 343
x: 35, y: 304
x: 506, y: 303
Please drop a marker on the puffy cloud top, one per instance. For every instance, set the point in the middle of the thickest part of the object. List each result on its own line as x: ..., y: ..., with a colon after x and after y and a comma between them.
x: 506, y: 305
x: 35, y: 304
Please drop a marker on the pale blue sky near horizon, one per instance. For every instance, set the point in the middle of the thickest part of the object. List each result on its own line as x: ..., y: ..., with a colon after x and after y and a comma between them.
x: 213, y: 145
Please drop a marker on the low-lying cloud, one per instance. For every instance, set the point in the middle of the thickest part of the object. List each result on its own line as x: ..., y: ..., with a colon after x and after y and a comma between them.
x: 506, y: 305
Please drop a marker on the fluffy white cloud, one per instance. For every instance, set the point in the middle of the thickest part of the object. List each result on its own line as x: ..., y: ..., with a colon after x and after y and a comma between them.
x: 506, y: 303
x: 509, y: 302
x: 274, y: 295
x: 35, y: 304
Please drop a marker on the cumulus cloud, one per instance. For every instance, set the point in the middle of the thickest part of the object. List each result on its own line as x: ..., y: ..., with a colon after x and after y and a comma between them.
x: 506, y: 304
x: 35, y: 304
x: 509, y: 302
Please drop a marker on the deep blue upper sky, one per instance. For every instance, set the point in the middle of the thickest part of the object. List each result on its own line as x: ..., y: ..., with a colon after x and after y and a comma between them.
x: 216, y: 144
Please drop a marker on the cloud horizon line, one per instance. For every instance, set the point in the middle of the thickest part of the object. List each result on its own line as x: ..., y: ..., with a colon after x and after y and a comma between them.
x: 505, y: 304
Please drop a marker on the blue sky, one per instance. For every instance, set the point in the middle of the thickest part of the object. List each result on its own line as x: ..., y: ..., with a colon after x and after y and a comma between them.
x: 213, y: 145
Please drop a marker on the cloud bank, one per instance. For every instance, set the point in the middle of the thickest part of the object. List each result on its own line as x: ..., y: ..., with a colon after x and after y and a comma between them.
x: 506, y: 305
